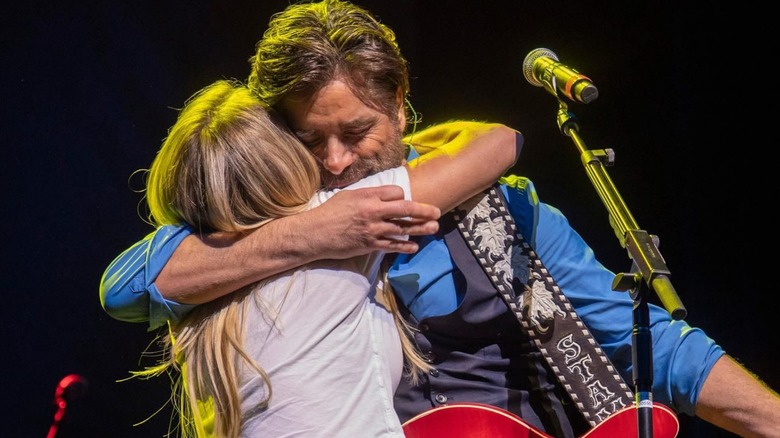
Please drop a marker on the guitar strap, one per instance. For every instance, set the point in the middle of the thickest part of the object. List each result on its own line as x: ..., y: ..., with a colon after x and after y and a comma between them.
x: 543, y: 311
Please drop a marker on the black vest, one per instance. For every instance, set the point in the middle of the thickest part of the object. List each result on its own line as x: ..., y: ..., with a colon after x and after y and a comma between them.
x: 481, y: 354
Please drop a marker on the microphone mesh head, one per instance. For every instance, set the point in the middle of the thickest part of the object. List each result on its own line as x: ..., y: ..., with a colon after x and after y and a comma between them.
x: 528, y: 64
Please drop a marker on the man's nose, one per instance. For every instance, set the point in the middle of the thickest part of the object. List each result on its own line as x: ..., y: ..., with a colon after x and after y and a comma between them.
x: 338, y: 157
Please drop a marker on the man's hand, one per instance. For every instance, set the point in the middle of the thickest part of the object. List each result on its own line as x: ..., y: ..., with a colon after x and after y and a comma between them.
x: 355, y: 222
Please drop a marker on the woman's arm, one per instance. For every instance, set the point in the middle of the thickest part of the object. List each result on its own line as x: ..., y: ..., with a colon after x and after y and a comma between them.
x: 460, y: 159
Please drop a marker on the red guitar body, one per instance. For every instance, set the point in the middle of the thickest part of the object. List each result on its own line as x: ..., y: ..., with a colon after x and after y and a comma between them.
x: 476, y: 420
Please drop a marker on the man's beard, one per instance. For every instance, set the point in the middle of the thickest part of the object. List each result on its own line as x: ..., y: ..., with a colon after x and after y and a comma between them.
x: 392, y: 154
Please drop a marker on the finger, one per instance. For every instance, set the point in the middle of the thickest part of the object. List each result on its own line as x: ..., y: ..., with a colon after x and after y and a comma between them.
x: 394, y: 197
x: 398, y: 246
x: 417, y: 210
x: 410, y: 210
x: 418, y: 228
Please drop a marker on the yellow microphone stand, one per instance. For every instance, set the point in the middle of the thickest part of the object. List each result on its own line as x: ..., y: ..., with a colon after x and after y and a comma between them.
x: 648, y: 269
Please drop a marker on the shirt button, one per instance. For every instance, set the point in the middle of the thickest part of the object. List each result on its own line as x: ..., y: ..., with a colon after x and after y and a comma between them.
x: 441, y: 399
x: 434, y: 372
x: 429, y: 357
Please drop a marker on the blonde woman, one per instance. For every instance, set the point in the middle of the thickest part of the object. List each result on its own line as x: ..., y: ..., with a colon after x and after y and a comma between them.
x: 313, y: 351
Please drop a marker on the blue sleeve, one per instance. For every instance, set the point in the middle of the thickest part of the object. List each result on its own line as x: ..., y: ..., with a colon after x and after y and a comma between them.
x: 682, y: 355
x: 127, y: 290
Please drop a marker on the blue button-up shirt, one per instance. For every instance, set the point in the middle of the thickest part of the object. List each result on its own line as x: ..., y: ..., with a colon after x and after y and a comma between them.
x: 682, y: 355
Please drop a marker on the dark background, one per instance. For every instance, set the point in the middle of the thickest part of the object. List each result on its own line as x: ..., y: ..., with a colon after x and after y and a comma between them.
x: 90, y: 89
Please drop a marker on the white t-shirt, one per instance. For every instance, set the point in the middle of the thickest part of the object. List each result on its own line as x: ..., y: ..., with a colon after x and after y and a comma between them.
x: 333, y: 354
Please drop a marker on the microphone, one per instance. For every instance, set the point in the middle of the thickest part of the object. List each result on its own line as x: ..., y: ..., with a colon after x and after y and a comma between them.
x: 542, y: 69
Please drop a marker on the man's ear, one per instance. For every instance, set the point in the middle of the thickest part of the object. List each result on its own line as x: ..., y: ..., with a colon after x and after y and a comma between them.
x: 399, y: 100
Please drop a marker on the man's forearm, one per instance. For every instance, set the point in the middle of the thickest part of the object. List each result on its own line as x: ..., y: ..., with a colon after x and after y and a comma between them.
x: 206, y: 267
x: 734, y: 399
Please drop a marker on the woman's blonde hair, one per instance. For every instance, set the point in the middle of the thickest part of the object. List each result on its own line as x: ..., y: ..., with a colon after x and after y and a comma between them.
x: 228, y: 164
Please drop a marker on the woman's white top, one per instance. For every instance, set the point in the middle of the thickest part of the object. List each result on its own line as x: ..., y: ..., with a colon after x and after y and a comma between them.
x: 332, y: 352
